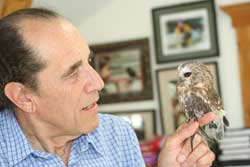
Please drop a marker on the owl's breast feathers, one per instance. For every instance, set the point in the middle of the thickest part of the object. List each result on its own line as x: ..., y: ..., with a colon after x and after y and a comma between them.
x: 196, y: 101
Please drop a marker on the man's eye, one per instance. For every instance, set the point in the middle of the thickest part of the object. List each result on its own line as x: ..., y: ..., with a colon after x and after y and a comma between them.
x: 75, y: 73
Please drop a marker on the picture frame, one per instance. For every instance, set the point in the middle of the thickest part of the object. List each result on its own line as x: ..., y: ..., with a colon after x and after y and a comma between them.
x: 142, y: 121
x: 185, y: 31
x: 125, y: 69
x: 171, y: 117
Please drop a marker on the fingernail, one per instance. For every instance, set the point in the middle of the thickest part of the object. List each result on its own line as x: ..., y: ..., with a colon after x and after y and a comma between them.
x: 181, y: 158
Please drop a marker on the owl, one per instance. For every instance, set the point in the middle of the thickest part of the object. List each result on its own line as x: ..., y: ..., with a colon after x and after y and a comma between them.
x: 198, y: 96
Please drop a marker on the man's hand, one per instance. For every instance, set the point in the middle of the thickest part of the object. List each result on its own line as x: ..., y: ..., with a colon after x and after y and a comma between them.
x: 177, y: 149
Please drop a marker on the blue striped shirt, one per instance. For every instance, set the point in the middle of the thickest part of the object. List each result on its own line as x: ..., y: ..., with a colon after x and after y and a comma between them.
x: 112, y: 144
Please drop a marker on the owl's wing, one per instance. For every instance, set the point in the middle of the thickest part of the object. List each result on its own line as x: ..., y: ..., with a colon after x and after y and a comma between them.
x: 196, y: 104
x: 215, y: 129
x: 215, y: 100
x: 216, y: 104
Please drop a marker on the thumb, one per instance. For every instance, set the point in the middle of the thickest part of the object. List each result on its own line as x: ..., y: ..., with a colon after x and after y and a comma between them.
x: 185, y: 132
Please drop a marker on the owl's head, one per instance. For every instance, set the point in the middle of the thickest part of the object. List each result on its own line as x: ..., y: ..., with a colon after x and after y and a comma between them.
x: 193, y: 73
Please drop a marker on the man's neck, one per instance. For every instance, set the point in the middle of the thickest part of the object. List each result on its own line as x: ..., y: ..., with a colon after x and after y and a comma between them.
x: 42, y: 138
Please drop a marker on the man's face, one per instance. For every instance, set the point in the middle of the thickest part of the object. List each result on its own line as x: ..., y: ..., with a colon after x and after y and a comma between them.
x: 68, y: 86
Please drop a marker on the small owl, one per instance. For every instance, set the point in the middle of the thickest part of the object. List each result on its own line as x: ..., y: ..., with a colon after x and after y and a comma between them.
x: 197, y: 96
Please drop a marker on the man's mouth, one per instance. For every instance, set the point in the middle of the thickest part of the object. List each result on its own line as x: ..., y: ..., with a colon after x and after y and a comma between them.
x: 90, y: 107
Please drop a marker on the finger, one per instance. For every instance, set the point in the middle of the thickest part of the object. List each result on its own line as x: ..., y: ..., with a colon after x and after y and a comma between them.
x: 208, y: 117
x: 206, y: 160
x: 186, y: 149
x: 184, y: 133
x: 182, y: 126
x: 198, y: 152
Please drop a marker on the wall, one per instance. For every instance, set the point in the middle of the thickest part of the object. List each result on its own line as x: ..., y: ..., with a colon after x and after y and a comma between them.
x: 119, y: 20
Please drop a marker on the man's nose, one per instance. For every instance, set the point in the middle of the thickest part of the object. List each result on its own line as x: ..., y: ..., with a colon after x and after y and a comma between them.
x: 95, y: 82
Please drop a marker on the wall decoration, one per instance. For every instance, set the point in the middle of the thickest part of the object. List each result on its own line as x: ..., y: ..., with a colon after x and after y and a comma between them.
x: 185, y: 31
x: 125, y: 69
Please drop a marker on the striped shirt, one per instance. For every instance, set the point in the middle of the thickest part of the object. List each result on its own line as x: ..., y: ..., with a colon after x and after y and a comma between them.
x: 112, y: 144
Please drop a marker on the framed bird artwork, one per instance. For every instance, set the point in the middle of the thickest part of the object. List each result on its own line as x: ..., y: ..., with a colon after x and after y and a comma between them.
x: 185, y: 31
x: 125, y: 69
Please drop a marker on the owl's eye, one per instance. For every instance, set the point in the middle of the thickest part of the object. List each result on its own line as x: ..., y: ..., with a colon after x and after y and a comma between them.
x: 187, y: 74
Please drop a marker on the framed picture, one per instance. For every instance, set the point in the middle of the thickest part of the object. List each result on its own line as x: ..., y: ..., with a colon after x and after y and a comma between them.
x: 185, y: 31
x: 125, y: 69
x: 171, y: 116
x: 143, y: 122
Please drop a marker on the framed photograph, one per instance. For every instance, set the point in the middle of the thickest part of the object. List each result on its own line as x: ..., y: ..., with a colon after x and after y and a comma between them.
x: 185, y: 31
x: 143, y: 122
x: 125, y: 69
x: 171, y: 116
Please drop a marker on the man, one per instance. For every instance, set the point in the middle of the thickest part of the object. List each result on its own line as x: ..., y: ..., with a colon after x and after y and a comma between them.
x: 49, y: 95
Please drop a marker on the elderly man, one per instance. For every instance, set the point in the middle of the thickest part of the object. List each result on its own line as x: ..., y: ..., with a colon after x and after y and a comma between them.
x: 48, y: 102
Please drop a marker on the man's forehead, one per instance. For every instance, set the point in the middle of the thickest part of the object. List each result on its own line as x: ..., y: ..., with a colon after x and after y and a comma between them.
x: 34, y: 28
x: 56, y: 39
x: 52, y: 34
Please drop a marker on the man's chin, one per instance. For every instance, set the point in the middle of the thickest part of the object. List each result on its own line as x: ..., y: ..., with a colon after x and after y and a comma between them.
x: 92, y: 126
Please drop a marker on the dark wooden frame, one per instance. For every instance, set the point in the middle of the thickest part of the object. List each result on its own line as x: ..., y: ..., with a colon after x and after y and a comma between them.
x: 166, y: 109
x: 142, y: 45
x: 157, y: 13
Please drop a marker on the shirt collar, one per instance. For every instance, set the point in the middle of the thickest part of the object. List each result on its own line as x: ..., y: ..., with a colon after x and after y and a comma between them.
x: 17, y: 146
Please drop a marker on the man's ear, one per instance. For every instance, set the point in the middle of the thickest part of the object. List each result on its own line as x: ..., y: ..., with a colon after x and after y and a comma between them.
x: 20, y: 96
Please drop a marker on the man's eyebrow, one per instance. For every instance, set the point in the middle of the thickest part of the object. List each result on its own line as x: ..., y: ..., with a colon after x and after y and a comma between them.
x: 72, y: 69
